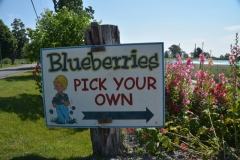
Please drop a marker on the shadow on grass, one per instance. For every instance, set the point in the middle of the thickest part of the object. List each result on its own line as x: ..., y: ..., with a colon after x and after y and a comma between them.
x: 26, y: 106
x: 18, y: 69
x: 36, y: 157
x: 21, y: 78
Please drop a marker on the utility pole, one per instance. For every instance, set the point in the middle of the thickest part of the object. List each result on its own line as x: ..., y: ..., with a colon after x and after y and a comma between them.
x: 194, y: 51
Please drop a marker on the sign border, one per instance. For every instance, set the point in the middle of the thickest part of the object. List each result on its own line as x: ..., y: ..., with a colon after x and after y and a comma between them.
x: 103, y: 126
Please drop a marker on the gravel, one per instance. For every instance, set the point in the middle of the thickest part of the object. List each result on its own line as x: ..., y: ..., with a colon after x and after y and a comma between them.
x: 134, y: 152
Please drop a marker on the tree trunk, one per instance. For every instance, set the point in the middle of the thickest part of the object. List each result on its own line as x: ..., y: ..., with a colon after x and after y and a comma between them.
x: 13, y: 57
x: 106, y: 142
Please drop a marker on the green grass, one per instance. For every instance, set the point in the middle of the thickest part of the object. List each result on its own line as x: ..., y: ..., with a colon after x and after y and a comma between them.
x: 23, y: 134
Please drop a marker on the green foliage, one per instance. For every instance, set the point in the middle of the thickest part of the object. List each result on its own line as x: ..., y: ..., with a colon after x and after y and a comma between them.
x: 166, y: 54
x: 6, y: 61
x: 7, y: 41
x: 20, y: 33
x: 174, y: 49
x: 61, y: 29
x: 74, y: 5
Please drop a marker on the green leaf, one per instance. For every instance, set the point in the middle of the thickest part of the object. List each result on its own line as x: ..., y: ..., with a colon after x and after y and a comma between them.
x: 176, y: 140
x: 151, y: 147
x: 174, y: 129
x: 165, y: 142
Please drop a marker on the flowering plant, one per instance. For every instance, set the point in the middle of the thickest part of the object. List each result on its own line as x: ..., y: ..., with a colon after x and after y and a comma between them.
x: 203, y: 118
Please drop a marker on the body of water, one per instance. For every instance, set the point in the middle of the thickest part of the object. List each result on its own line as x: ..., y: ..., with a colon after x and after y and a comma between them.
x: 215, y: 62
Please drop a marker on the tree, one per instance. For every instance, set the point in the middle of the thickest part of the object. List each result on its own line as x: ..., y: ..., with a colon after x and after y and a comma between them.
x: 221, y: 57
x: 185, y: 55
x: 74, y: 5
x: 198, y: 52
x: 227, y: 55
x: 20, y: 34
x: 7, y: 41
x: 166, y: 54
x: 174, y: 49
x: 207, y: 55
x: 66, y: 28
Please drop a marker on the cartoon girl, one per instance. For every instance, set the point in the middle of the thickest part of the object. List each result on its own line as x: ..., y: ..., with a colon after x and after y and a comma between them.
x: 61, y: 100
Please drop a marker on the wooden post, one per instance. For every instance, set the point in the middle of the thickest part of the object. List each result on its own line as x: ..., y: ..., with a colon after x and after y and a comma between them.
x: 106, y: 142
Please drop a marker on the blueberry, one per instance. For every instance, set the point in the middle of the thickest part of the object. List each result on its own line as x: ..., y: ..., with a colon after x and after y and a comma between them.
x: 73, y: 107
x: 51, y: 111
x: 71, y: 112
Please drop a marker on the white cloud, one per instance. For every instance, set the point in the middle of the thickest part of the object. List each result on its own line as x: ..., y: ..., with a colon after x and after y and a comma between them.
x: 232, y: 28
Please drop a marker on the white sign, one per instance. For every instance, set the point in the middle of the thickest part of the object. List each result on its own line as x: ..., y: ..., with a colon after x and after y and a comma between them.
x: 122, y: 86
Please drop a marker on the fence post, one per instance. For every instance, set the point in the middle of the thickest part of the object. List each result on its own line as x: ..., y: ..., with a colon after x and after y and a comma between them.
x: 106, y: 142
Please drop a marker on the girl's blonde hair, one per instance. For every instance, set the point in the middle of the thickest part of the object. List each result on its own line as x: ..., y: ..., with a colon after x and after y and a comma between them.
x: 61, y: 80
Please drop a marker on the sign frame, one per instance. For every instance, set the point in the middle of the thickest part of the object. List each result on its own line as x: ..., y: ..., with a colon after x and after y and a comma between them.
x: 106, y: 123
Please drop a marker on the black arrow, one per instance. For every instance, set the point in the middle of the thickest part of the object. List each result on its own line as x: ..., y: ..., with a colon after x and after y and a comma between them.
x: 119, y: 115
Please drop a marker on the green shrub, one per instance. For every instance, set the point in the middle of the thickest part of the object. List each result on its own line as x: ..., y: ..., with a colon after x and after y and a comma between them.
x: 6, y: 61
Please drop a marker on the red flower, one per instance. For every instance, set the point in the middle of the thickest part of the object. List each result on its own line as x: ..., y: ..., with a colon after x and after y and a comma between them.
x: 130, y: 130
x: 175, y: 107
x: 144, y: 136
x: 38, y: 68
x: 183, y: 146
x: 34, y: 73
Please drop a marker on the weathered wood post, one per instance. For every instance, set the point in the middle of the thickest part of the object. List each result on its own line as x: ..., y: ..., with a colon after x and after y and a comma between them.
x: 106, y: 142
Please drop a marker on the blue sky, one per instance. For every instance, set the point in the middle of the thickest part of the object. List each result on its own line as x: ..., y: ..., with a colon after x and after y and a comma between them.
x: 184, y: 22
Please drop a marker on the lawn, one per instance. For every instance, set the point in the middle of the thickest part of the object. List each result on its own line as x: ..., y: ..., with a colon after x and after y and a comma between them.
x: 23, y: 134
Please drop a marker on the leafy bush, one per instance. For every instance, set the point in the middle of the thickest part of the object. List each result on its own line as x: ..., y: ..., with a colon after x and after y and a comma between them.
x: 6, y: 61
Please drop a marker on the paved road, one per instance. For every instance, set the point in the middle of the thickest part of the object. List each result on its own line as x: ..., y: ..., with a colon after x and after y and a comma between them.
x: 7, y: 72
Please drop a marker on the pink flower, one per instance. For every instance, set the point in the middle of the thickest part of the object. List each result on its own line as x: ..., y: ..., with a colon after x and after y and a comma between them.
x: 144, y: 136
x: 164, y: 131
x: 184, y: 92
x: 221, y: 75
x: 185, y: 101
x: 221, y: 116
x: 130, y: 130
x: 210, y: 129
x: 202, y: 58
x: 178, y: 57
x: 184, y: 147
x: 188, y: 62
x: 222, y: 78
x: 232, y: 59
